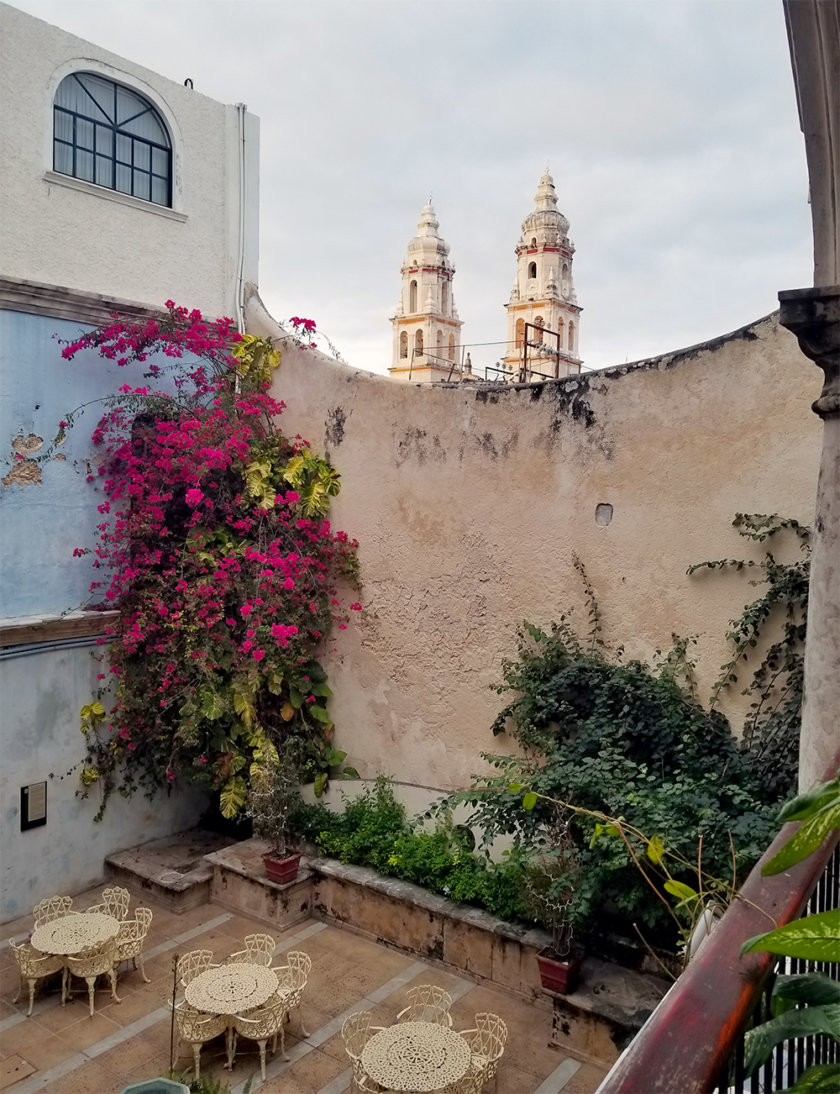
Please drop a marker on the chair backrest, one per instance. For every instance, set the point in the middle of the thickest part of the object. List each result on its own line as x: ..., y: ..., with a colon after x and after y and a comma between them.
x: 144, y: 918
x: 54, y: 907
x: 299, y: 965
x: 262, y: 1022
x: 116, y: 901
x: 426, y: 1003
x: 355, y: 1032
x: 196, y: 1027
x: 492, y: 1035
x: 259, y: 948
x: 93, y: 960
x: 192, y: 963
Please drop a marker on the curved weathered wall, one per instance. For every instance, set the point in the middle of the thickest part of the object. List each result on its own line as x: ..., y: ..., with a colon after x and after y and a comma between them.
x: 470, y: 502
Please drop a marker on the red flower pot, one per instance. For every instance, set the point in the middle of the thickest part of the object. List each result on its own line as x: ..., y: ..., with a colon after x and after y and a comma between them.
x: 560, y: 976
x: 282, y: 869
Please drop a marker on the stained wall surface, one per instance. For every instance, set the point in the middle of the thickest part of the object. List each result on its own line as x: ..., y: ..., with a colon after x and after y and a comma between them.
x: 470, y: 503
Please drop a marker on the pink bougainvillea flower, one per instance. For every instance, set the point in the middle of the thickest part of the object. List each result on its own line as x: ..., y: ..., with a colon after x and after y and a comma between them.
x: 194, y: 497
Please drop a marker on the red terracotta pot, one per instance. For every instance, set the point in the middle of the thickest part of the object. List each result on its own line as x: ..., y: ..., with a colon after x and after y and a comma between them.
x: 560, y: 976
x: 283, y: 869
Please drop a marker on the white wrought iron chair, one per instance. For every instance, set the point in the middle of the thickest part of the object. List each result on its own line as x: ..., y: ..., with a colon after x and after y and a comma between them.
x: 89, y: 964
x: 54, y: 907
x: 427, y: 1003
x: 114, y: 903
x: 192, y: 963
x: 356, y: 1031
x: 33, y: 966
x: 292, y: 979
x: 196, y: 1028
x: 487, y: 1044
x: 259, y: 948
x: 260, y: 1025
x: 131, y: 939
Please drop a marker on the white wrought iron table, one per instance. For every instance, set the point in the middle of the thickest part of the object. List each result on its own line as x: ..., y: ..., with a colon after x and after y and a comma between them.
x: 74, y: 932
x: 416, y: 1056
x: 231, y: 989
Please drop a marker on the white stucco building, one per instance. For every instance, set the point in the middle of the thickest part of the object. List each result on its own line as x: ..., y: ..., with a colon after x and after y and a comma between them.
x: 119, y: 190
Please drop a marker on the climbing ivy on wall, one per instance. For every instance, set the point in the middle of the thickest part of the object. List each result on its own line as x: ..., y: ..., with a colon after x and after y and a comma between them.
x: 771, y: 729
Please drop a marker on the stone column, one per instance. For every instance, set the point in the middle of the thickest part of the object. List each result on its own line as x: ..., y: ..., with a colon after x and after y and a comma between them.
x: 813, y: 315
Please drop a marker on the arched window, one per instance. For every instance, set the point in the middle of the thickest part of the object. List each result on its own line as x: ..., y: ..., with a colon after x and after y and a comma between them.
x: 418, y: 343
x: 412, y: 297
x: 532, y: 270
x: 520, y: 332
x: 440, y: 343
x: 451, y: 347
x: 533, y: 241
x: 571, y: 335
x: 539, y: 323
x: 403, y: 344
x: 110, y: 135
x: 560, y: 332
x: 444, y: 298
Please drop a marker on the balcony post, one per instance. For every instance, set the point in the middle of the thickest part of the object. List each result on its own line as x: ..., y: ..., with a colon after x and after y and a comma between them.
x: 813, y: 315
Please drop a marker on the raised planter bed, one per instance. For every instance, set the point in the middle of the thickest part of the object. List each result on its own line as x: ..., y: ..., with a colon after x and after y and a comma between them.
x: 594, y: 1022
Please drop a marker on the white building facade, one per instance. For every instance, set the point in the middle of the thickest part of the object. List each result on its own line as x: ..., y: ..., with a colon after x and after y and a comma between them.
x: 119, y: 190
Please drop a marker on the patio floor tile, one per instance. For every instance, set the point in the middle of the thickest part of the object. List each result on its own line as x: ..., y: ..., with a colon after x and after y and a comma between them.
x: 72, y: 1053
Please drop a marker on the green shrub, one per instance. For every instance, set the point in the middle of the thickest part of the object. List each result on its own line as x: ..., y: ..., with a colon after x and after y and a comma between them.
x: 624, y: 740
x: 374, y: 831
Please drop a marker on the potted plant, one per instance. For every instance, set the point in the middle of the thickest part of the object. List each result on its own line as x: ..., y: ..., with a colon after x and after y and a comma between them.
x: 551, y: 892
x: 272, y: 795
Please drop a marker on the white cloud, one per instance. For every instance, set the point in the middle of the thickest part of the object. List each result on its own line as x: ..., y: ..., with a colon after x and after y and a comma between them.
x: 670, y: 127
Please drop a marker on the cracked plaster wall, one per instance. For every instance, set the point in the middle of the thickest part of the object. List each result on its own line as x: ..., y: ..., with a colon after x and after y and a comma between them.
x: 468, y: 505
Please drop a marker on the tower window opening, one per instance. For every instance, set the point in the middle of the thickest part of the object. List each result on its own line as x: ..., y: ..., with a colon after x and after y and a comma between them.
x: 440, y: 343
x: 451, y: 347
x: 539, y: 323
x: 444, y: 298
x: 404, y: 344
x: 532, y: 270
x: 533, y: 241
x: 418, y: 343
x: 571, y: 335
x: 412, y: 297
x: 520, y: 333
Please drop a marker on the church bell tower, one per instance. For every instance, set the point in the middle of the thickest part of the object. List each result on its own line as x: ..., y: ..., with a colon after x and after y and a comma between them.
x: 543, y: 312
x: 427, y: 330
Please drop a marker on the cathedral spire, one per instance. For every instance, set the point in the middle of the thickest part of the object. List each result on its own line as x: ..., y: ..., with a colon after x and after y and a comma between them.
x: 543, y: 317
x: 427, y: 330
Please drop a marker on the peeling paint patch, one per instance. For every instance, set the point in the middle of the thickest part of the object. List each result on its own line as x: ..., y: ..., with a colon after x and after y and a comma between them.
x: 27, y: 445
x: 24, y: 473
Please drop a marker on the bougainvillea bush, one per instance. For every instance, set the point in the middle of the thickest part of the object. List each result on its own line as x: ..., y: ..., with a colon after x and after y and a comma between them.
x: 215, y: 547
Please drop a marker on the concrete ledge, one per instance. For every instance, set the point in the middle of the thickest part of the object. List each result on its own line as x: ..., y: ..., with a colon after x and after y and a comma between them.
x: 174, y: 870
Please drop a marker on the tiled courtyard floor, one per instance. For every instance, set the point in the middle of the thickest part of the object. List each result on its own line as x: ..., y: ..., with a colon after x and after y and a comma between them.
x: 64, y: 1051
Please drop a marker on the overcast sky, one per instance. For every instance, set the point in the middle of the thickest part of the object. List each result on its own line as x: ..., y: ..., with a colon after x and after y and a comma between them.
x: 670, y: 127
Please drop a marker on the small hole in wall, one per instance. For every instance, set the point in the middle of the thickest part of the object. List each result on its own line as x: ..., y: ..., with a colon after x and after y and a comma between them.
x: 603, y: 513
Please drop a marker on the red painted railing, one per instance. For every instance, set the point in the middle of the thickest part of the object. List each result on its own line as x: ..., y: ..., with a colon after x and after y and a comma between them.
x: 687, y: 1042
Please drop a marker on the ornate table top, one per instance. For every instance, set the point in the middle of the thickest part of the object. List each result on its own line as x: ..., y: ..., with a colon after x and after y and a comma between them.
x: 74, y: 932
x: 416, y: 1056
x: 231, y: 989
